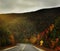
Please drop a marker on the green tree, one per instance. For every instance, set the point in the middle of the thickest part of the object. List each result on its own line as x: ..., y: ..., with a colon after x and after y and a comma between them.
x: 4, y: 37
x: 22, y: 29
x: 57, y: 25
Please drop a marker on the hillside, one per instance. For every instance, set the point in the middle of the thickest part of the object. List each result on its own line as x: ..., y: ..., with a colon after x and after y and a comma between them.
x: 40, y: 18
x: 31, y: 27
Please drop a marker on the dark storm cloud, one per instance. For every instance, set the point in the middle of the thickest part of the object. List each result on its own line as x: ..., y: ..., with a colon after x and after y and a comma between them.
x: 19, y: 6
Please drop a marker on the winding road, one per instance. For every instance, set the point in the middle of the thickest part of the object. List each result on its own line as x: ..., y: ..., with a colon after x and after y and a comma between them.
x: 23, y: 47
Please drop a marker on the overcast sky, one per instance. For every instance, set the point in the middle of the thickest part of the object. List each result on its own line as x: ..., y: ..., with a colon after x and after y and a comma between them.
x: 20, y: 6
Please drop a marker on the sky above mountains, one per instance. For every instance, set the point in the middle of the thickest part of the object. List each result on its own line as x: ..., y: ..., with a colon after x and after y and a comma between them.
x: 21, y: 6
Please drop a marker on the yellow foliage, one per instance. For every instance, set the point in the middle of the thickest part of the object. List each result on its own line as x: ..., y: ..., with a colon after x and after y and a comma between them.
x: 26, y: 40
x: 33, y: 39
x: 12, y: 40
x: 41, y: 42
x: 51, y: 27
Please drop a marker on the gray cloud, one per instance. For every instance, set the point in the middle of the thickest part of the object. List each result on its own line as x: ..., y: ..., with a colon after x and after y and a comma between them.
x: 18, y: 6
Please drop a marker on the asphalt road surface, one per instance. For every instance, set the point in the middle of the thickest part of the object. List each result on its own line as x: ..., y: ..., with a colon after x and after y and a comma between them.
x: 23, y: 47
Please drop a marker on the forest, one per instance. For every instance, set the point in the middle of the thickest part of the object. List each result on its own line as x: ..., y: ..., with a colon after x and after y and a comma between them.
x: 32, y: 27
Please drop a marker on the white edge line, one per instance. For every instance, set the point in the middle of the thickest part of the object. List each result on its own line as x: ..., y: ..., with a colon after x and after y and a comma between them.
x: 38, y: 49
x: 9, y: 48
